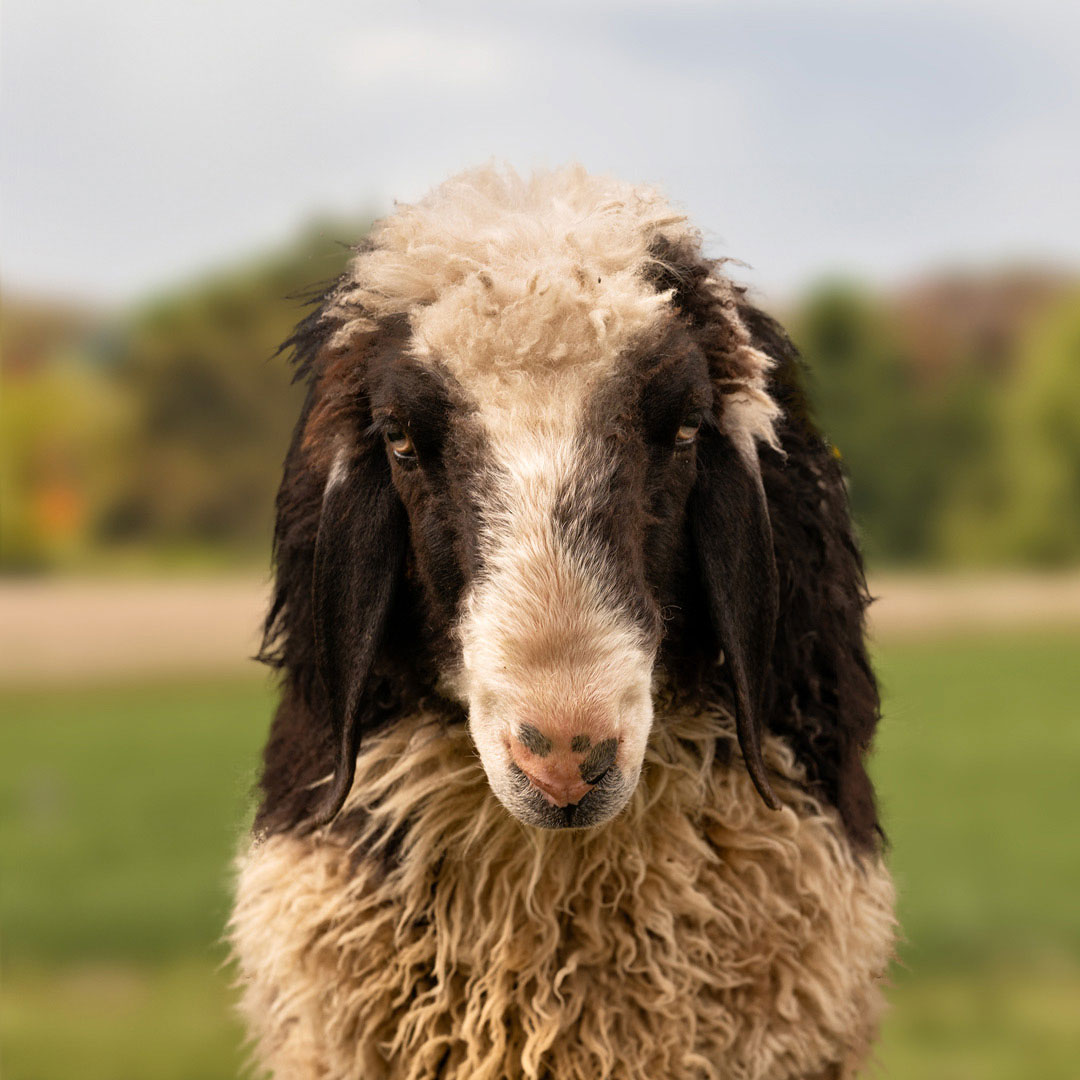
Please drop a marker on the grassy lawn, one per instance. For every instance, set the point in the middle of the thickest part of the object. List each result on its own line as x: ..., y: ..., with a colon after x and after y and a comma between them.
x: 977, y: 769
x: 167, y: 1020
x: 119, y: 808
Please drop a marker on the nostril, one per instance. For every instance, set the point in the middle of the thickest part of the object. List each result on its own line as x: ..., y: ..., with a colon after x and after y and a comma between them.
x: 599, y: 760
x: 593, y: 780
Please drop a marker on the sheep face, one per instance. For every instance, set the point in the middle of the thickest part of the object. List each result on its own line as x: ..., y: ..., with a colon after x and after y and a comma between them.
x: 505, y: 386
x: 546, y: 522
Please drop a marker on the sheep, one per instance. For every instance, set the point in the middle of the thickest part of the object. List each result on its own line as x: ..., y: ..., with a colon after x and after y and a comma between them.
x: 567, y: 777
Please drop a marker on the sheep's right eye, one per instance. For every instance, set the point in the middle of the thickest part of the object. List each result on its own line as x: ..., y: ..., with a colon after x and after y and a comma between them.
x: 397, y: 438
x: 688, y: 429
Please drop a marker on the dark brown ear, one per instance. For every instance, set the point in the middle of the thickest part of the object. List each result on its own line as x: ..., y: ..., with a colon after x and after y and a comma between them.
x: 820, y: 696
x: 358, y: 558
x: 824, y: 696
x: 339, y: 542
x: 733, y: 538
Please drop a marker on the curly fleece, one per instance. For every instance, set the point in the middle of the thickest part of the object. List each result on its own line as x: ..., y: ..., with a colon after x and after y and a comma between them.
x: 541, y: 283
x: 698, y: 935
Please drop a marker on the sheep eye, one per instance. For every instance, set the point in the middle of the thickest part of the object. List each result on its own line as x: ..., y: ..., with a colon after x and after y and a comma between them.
x: 397, y: 438
x: 688, y: 430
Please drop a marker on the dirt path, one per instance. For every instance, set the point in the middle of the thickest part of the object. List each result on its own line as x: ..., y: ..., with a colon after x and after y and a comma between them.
x: 68, y: 630
x: 937, y: 605
x: 79, y: 630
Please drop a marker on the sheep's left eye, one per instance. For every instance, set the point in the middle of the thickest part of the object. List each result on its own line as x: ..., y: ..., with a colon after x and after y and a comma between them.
x: 397, y: 438
x: 688, y: 429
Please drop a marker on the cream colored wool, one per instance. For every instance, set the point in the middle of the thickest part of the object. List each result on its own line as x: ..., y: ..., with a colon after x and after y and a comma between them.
x: 697, y: 935
x: 520, y: 284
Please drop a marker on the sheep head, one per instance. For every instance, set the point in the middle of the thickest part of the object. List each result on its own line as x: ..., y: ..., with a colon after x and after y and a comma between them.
x: 516, y: 419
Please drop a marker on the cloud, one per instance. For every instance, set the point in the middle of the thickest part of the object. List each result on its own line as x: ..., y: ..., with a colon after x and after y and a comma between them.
x: 797, y: 136
x: 453, y: 59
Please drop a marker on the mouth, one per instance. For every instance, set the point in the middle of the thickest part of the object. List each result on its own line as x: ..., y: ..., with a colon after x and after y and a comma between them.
x: 601, y: 803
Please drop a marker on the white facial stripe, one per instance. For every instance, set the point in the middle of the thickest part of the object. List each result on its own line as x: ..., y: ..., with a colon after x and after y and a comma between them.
x: 547, y: 639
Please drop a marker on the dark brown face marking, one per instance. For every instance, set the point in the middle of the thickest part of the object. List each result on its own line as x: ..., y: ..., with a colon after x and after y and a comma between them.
x: 599, y: 760
x: 580, y: 743
x: 534, y: 740
x: 438, y: 485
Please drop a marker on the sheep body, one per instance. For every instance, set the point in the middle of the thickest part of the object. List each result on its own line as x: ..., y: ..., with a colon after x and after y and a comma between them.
x: 555, y: 554
x: 698, y: 935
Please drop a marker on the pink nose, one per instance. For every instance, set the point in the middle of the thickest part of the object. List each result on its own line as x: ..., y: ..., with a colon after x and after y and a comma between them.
x: 563, y: 771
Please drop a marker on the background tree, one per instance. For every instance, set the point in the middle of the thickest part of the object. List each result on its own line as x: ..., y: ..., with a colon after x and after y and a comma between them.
x: 215, y: 402
x: 1019, y: 501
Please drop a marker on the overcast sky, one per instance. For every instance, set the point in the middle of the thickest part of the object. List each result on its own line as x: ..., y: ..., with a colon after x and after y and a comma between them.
x: 144, y: 141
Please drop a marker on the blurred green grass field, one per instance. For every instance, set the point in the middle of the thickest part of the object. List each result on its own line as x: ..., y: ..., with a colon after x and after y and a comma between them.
x: 120, y: 807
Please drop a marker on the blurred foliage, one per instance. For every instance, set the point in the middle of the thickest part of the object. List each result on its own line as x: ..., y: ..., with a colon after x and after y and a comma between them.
x: 157, y: 435
x: 868, y: 405
x: 1020, y: 501
x: 959, y: 428
x: 162, y: 430
x: 215, y: 406
x: 64, y: 437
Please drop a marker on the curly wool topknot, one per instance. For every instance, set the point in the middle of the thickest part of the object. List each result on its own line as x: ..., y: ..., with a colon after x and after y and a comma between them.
x: 504, y: 277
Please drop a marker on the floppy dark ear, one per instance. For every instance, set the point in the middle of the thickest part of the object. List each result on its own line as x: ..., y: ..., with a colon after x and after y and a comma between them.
x: 339, y: 541
x: 820, y: 696
x: 358, y: 558
x: 733, y: 538
x: 823, y: 695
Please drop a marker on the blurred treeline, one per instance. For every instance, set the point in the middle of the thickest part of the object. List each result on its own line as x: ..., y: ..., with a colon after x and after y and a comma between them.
x: 955, y: 405
x: 154, y: 437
